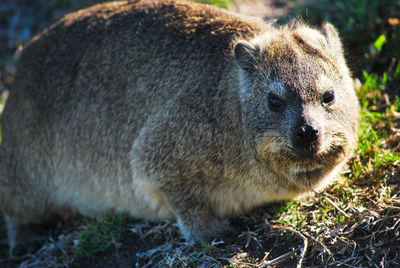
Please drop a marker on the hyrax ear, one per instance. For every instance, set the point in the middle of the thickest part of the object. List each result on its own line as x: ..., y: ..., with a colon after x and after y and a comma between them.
x: 332, y: 36
x: 246, y: 55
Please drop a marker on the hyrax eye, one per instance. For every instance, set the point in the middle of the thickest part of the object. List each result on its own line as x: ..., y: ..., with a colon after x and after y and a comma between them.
x: 328, y: 97
x: 275, y: 103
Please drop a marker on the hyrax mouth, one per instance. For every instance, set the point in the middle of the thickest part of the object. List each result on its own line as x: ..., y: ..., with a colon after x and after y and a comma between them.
x: 306, y: 160
x: 310, y: 152
x: 281, y: 153
x: 313, y: 158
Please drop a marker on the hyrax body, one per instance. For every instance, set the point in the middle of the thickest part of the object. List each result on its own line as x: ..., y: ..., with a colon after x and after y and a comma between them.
x: 172, y: 110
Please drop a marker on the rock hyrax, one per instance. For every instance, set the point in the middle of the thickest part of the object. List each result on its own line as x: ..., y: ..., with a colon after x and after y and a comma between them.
x: 172, y: 110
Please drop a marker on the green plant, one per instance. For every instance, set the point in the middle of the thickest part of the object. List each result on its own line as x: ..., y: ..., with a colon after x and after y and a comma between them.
x: 287, y: 213
x: 218, y: 3
x: 376, y: 125
x: 370, y: 29
x: 101, y: 235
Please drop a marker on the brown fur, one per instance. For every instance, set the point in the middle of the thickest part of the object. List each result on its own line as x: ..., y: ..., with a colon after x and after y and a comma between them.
x: 156, y: 108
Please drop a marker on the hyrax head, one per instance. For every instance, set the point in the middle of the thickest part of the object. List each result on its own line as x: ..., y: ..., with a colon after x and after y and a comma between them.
x: 299, y: 109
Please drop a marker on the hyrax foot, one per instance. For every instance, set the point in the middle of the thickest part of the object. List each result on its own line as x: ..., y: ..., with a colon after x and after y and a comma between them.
x: 12, y: 230
x: 202, y: 226
x: 28, y: 238
x: 23, y: 239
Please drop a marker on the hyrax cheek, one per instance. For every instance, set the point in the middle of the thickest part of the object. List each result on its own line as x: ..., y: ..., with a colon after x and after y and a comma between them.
x: 273, y: 144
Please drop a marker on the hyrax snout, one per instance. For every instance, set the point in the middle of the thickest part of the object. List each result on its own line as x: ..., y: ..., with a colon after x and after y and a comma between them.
x: 172, y: 110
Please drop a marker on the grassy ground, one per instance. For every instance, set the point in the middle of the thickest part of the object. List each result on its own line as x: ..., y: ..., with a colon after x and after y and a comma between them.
x: 354, y: 223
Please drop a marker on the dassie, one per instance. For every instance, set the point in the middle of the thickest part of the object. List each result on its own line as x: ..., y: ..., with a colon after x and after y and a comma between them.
x: 172, y: 110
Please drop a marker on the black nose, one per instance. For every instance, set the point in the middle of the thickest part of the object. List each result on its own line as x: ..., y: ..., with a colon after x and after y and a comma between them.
x: 305, y: 135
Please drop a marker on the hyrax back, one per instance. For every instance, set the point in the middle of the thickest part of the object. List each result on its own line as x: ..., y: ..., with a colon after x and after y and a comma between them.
x: 173, y: 110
